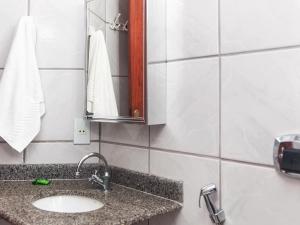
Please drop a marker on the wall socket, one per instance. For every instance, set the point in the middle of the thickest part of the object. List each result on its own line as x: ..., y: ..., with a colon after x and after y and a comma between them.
x: 82, y: 132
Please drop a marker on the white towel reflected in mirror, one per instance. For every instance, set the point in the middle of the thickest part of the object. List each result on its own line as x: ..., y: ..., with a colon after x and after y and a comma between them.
x: 101, y: 99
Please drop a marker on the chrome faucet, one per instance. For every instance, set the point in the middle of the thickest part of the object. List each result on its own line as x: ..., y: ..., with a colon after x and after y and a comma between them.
x: 100, y: 180
x: 217, y: 216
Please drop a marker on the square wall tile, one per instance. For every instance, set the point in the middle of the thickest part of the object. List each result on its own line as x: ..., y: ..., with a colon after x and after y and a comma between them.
x: 258, y: 24
x: 64, y: 152
x: 192, y: 28
x: 64, y: 96
x: 9, y: 155
x: 192, y: 108
x: 10, y: 13
x: 258, y: 195
x: 126, y: 157
x: 125, y: 133
x: 260, y: 101
x: 195, y: 172
x: 61, y: 32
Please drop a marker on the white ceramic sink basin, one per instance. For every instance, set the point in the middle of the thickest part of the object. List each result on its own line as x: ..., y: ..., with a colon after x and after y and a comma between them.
x: 68, y: 204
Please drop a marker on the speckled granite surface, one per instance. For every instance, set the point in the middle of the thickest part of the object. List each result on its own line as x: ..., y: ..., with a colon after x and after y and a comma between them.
x: 151, y: 184
x: 123, y: 206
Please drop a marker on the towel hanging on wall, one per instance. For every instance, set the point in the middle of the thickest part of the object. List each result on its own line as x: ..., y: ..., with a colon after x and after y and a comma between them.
x: 21, y: 97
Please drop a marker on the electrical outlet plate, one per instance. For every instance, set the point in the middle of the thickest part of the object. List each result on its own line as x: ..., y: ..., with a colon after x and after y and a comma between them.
x: 82, y: 132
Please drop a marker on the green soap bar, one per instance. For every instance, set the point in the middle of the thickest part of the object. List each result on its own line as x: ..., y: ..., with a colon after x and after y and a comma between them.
x: 41, y: 181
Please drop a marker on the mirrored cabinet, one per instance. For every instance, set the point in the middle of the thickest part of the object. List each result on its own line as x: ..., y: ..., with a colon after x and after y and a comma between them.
x: 126, y: 61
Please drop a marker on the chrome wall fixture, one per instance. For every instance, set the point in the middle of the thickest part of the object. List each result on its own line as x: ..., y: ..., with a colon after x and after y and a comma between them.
x: 287, y: 155
x: 116, y: 25
x: 217, y: 216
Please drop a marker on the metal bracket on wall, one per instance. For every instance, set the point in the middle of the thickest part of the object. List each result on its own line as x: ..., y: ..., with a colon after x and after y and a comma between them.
x: 217, y: 216
x: 287, y: 155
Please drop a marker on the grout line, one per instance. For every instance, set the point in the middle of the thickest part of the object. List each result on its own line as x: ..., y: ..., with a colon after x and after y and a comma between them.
x: 261, y: 50
x: 51, y: 141
x: 247, y: 163
x: 192, y: 58
x: 124, y: 144
x: 229, y: 53
x: 28, y: 7
x: 201, y: 57
x: 170, y: 151
x: 149, y: 149
x: 157, y: 62
x: 24, y: 156
x: 191, y: 154
x: 100, y: 132
x: 220, y: 102
x: 2, y: 68
x: 59, y: 141
x: 120, y: 76
x: 45, y: 68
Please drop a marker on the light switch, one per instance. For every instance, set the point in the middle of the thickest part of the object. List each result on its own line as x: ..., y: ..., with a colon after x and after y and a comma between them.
x: 82, y: 132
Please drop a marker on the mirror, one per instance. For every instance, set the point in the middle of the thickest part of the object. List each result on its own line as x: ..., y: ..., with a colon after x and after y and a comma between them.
x: 123, y: 84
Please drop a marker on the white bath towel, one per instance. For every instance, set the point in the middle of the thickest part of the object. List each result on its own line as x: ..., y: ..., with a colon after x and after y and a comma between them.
x: 21, y: 97
x: 101, y: 99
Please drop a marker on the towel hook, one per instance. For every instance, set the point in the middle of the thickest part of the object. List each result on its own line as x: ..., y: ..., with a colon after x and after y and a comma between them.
x: 116, y: 24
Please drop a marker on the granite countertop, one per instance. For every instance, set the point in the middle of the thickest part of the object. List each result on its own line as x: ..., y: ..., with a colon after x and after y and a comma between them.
x: 122, y: 205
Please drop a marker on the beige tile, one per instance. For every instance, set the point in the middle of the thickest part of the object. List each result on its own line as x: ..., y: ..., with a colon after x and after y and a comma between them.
x: 51, y: 153
x: 258, y: 195
x: 192, y: 108
x: 64, y: 97
x: 9, y: 155
x: 195, y: 172
x: 10, y: 13
x: 125, y: 133
x: 126, y: 157
x: 258, y: 24
x: 260, y: 100
x: 192, y: 28
x: 61, y: 33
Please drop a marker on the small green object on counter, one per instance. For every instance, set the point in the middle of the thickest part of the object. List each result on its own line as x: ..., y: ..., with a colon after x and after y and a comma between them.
x: 41, y: 181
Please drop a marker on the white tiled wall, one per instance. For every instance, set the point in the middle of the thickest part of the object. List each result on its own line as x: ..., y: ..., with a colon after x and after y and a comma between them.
x: 61, y: 29
x: 60, y: 48
x: 259, y: 24
x: 192, y: 28
x: 233, y: 85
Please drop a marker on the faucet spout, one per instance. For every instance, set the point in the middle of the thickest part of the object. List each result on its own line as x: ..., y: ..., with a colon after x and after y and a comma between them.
x: 91, y: 155
x: 100, y: 180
